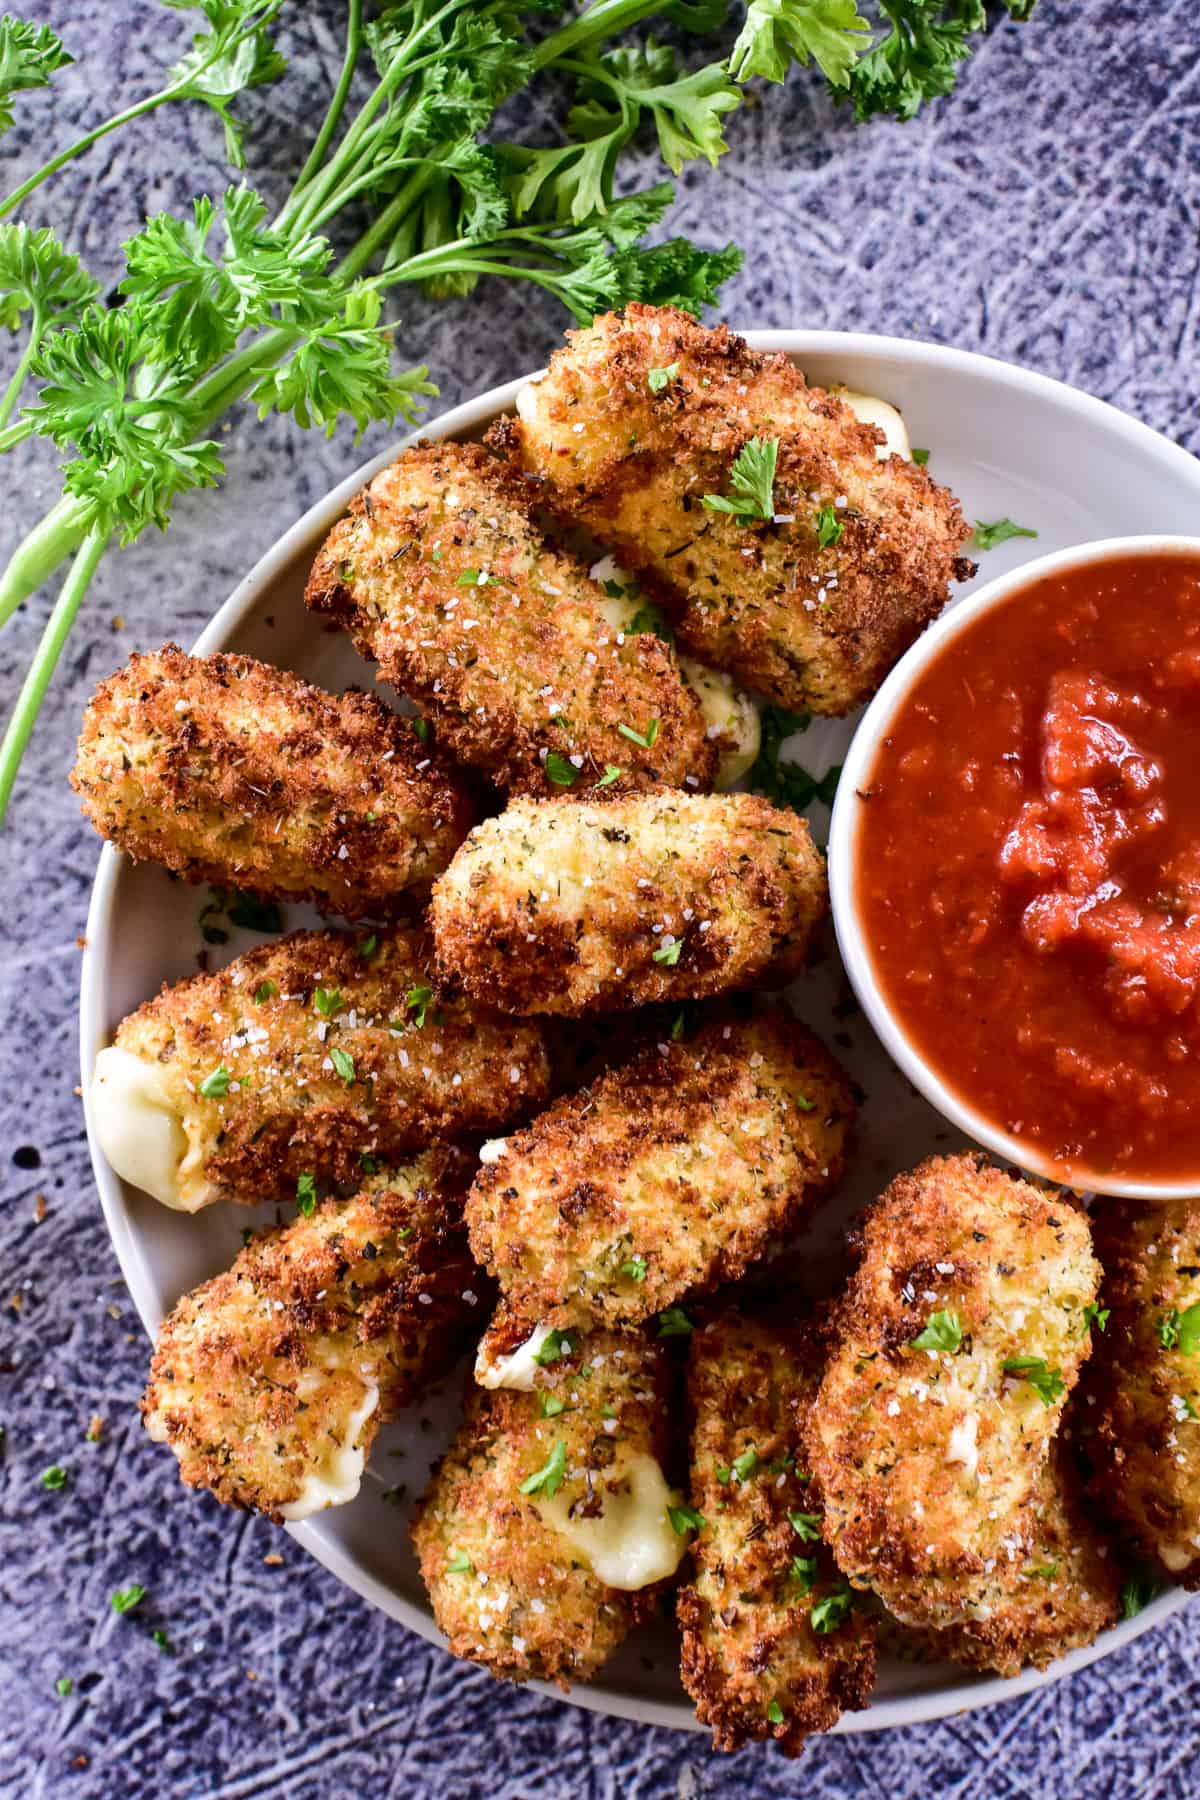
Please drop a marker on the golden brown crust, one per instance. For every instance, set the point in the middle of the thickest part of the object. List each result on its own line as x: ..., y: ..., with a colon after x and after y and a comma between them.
x: 751, y: 1649
x: 815, y: 628
x: 574, y: 906
x: 1069, y: 1589
x: 927, y: 1457
x: 521, y: 667
x: 287, y: 1109
x: 256, y: 1373
x: 529, y: 1608
x: 224, y: 769
x: 666, y: 1177
x: 1144, y: 1379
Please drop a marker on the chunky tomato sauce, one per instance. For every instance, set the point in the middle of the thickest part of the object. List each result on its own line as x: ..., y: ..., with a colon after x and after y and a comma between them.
x: 1028, y: 867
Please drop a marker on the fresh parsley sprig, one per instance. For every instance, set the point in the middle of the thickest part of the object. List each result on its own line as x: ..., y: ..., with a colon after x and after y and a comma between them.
x: 752, y: 481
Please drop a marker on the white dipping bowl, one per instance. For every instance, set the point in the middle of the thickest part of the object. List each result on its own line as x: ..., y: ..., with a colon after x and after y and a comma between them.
x: 843, y: 848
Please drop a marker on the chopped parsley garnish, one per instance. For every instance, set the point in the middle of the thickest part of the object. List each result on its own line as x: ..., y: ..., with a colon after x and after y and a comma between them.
x: 986, y: 537
x: 804, y: 1573
x: 54, y: 1477
x: 1097, y: 1315
x: 807, y: 1526
x: 460, y: 1564
x: 556, y: 1344
x: 125, y: 1599
x: 745, y: 1465
x: 635, y: 1268
x: 677, y: 1025
x: 163, y: 1641
x: 804, y: 1103
x: 658, y: 379
x: 829, y: 528
x: 306, y: 1194
x: 646, y: 739
x: 551, y: 1405
x: 253, y: 914
x: 752, y: 480
x: 216, y: 1085
x: 943, y: 1333
x: 920, y: 457
x: 1040, y: 1572
x: 684, y: 1519
x: 668, y: 952
x: 343, y: 1065
x: 832, y: 1611
x: 560, y: 770
x: 416, y: 1001
x: 368, y: 947
x: 1180, y: 1330
x: 1046, y: 1383
x: 1137, y: 1592
x: 650, y: 618
x: 723, y: 1476
x: 422, y: 729
x: 63, y: 1686
x: 551, y: 1476
x: 673, y: 1322
x: 328, y: 1001
x: 473, y: 578
x: 611, y: 774
x: 266, y: 990
x: 368, y: 1164
x: 775, y: 1713
x: 395, y: 1496
x: 607, y: 1411
x: 782, y: 781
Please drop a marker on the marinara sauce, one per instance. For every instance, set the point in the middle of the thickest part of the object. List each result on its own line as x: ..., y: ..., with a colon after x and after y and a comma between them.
x: 1028, y: 867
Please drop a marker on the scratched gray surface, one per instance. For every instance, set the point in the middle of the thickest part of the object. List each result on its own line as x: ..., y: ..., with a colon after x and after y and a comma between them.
x: 1050, y: 214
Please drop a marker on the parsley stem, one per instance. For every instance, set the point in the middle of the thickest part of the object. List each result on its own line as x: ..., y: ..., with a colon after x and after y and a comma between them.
x: 82, y: 145
x: 12, y: 391
x: 41, y: 551
x: 333, y: 114
x: 33, y: 692
x: 602, y: 19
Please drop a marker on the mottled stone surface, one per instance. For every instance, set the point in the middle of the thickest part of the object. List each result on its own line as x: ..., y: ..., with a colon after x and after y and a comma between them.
x: 1050, y: 214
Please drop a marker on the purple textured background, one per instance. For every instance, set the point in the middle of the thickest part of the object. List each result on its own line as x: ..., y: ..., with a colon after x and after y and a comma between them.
x: 1049, y: 213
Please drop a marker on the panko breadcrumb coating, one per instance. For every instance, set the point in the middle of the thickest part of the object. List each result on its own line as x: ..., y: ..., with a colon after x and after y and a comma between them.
x: 666, y: 1177
x: 583, y: 1448
x: 1068, y: 1591
x: 813, y: 606
x: 1144, y: 1431
x: 772, y: 1645
x: 955, y: 1347
x: 442, y: 578
x: 579, y: 906
x: 224, y: 769
x: 308, y: 1054
x: 269, y: 1382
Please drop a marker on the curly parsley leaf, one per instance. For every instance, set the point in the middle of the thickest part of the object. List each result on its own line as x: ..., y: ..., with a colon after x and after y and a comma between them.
x: 832, y: 1610
x: 752, y: 479
x: 38, y: 275
x: 342, y: 366
x: 548, y: 1479
x: 1047, y: 1384
x: 943, y: 1333
x: 987, y: 537
x: 29, y: 56
x: 830, y: 33
x: 917, y: 57
x: 781, y: 780
x: 234, y: 54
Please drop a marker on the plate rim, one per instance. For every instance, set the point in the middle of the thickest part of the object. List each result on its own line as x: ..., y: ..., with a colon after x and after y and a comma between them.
x: 966, y: 1695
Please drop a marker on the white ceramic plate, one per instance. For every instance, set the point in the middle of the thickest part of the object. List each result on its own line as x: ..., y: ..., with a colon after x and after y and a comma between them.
x: 1009, y: 443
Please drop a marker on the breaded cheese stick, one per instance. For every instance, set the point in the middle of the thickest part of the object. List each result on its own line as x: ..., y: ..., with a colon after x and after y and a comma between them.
x: 1068, y: 1592
x: 269, y: 1382
x: 580, y: 906
x: 1144, y: 1435
x: 640, y: 422
x: 226, y: 770
x: 547, y: 1527
x: 300, y: 1058
x: 772, y: 1645
x: 955, y: 1347
x: 442, y: 578
x: 667, y: 1176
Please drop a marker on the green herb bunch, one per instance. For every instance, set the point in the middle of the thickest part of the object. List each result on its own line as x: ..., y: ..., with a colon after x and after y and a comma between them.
x: 225, y: 302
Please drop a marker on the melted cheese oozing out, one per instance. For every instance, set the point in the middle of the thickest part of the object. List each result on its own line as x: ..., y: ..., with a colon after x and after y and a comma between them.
x: 632, y: 1542
x: 141, y: 1131
x: 516, y: 1370
x: 493, y: 1150
x: 728, y: 712
x: 873, y: 411
x: 338, y: 1476
x: 1175, y: 1557
x: 963, y: 1447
